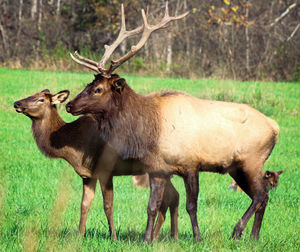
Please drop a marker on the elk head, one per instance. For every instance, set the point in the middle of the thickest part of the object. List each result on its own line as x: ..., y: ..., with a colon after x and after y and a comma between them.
x: 99, y: 95
x: 38, y: 105
x: 271, y: 178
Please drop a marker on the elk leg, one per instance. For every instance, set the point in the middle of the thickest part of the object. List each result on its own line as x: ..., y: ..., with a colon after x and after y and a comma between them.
x: 106, y: 184
x: 174, y: 195
x: 258, y: 218
x: 89, y: 186
x: 160, y: 219
x: 170, y: 200
x: 191, y: 182
x: 157, y: 187
x: 253, y: 186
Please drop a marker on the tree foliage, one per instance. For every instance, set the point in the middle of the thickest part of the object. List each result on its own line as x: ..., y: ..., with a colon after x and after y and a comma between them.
x: 240, y: 39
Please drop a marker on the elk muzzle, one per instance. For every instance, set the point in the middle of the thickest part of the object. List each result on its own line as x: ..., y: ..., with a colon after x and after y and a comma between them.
x: 18, y: 107
x: 70, y: 108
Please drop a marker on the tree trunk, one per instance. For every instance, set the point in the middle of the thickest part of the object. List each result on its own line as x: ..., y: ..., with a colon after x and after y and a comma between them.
x: 40, y: 15
x: 169, y: 52
x: 40, y: 22
x: 4, y: 40
x: 187, y: 35
x: 19, y: 26
x: 155, y: 47
x: 247, y: 41
x: 58, y: 5
x: 34, y: 9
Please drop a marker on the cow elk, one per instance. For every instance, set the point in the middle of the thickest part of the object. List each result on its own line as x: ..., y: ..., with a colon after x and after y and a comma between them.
x: 174, y: 133
x: 80, y: 144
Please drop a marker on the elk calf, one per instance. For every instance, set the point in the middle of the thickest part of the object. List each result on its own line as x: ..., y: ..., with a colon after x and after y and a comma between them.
x: 271, y: 179
x: 80, y: 145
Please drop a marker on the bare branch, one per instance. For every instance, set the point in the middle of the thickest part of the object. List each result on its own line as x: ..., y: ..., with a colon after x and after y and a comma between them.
x: 294, y: 32
x: 283, y: 14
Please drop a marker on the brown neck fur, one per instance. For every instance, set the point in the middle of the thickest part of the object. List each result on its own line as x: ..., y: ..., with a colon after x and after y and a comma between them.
x: 42, y: 130
x: 132, y: 127
x: 77, y: 142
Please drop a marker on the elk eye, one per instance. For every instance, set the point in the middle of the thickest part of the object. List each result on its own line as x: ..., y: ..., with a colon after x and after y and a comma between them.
x: 41, y: 100
x: 98, y: 90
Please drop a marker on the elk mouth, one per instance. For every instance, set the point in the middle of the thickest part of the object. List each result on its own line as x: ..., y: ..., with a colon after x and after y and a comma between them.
x: 18, y: 107
x: 76, y: 113
x: 20, y: 110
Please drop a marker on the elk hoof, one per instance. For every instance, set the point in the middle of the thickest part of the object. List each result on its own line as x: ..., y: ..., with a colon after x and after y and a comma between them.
x: 198, y: 239
x: 237, y: 233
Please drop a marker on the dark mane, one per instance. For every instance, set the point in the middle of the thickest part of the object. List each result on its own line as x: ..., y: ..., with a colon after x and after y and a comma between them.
x: 132, y: 126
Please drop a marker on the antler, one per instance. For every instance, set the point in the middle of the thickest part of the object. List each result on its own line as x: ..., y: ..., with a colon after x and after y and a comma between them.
x: 147, y: 29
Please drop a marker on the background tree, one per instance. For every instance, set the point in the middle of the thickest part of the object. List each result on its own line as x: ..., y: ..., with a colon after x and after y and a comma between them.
x: 239, y: 39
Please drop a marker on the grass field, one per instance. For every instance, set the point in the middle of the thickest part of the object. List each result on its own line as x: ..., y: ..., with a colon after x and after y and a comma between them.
x: 40, y: 198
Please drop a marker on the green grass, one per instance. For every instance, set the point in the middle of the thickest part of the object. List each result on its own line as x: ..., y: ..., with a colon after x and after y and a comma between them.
x: 40, y: 198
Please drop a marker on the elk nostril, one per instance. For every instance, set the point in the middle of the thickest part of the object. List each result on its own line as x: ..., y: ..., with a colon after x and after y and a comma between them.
x: 17, y: 104
x: 68, y: 107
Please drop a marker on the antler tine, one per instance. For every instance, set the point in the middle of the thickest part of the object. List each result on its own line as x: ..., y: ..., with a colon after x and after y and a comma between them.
x: 123, y: 34
x: 85, y: 64
x: 167, y: 9
x: 99, y: 67
x: 85, y: 59
x: 148, y: 29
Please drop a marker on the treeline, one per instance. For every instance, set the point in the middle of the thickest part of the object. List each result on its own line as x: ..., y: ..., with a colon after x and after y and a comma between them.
x: 238, y: 39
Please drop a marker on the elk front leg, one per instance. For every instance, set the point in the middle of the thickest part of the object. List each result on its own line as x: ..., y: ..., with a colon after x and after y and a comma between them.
x: 157, y: 187
x: 106, y: 184
x: 191, y: 182
x: 89, y: 186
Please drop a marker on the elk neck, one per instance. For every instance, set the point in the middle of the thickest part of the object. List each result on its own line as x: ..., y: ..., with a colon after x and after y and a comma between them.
x: 42, y: 128
x: 131, y: 126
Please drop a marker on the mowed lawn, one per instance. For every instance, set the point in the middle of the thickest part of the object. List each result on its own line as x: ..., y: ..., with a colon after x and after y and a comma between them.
x: 40, y: 198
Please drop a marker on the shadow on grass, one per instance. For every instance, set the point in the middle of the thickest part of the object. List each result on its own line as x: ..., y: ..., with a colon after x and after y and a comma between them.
x: 125, y: 236
x: 93, y: 233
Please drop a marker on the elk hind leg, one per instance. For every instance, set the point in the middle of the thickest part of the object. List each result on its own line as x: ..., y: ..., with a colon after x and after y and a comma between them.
x: 174, y: 212
x: 259, y: 217
x: 251, y: 181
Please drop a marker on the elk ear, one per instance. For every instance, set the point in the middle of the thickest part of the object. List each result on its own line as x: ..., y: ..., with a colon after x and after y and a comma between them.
x: 279, y: 172
x: 118, y: 85
x: 45, y: 91
x: 60, y: 97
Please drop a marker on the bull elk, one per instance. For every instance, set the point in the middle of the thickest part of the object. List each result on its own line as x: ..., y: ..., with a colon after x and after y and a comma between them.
x: 82, y: 147
x: 175, y: 133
